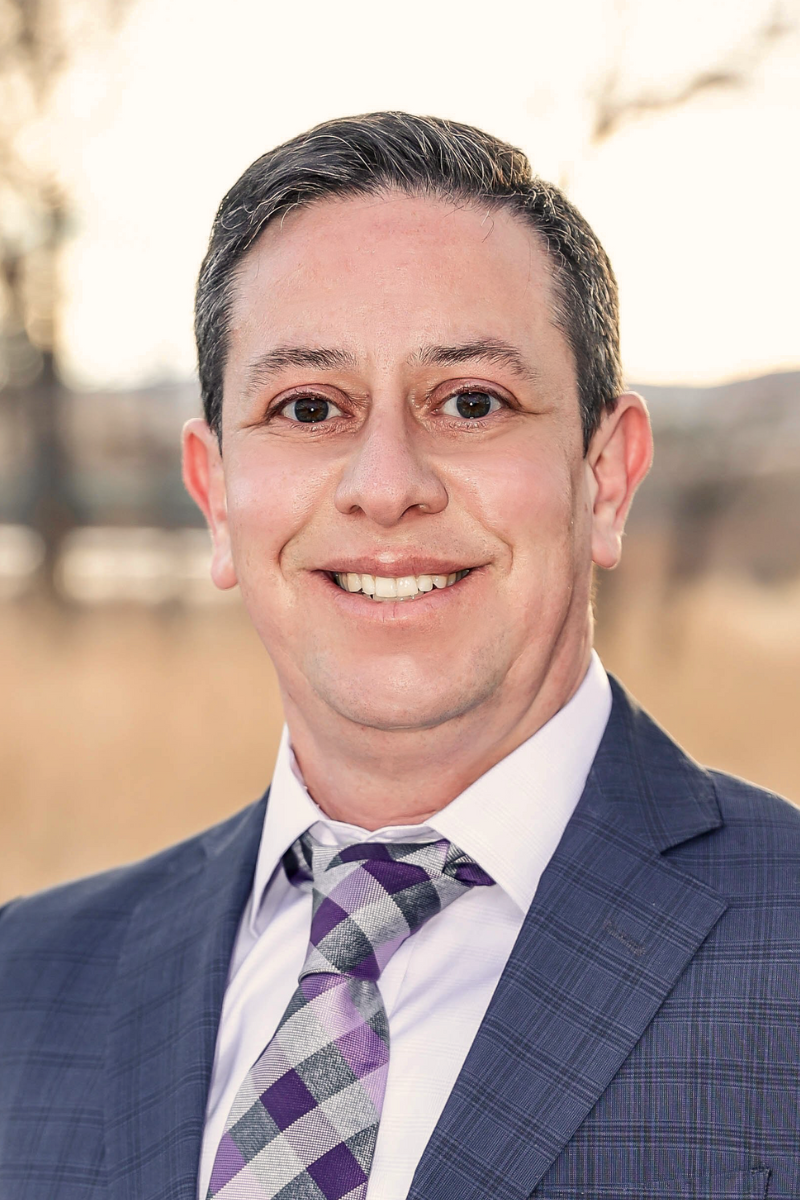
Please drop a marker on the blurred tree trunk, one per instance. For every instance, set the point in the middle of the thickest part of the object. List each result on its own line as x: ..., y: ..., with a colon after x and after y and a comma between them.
x: 39, y: 40
x: 52, y: 511
x: 32, y: 315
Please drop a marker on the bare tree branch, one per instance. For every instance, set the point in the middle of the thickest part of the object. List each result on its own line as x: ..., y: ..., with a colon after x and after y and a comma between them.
x: 613, y: 108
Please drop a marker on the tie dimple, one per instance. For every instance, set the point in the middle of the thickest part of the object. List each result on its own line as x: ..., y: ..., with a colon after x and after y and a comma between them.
x: 303, y: 1125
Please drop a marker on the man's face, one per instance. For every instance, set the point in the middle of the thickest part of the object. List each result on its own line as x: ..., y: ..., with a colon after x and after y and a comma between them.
x: 399, y: 409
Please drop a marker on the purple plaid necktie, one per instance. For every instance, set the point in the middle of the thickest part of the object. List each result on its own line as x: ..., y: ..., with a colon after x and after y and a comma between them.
x: 304, y: 1123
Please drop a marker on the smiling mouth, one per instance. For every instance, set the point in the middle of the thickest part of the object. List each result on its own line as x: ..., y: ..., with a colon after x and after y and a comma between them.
x: 388, y: 587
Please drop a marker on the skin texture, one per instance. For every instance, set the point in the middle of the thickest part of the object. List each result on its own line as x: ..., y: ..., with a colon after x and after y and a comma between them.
x: 395, y: 708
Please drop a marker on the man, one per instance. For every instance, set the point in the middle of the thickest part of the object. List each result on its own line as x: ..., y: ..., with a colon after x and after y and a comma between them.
x: 491, y: 933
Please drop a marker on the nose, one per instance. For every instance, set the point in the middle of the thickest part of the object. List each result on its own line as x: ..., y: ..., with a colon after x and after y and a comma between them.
x: 388, y: 475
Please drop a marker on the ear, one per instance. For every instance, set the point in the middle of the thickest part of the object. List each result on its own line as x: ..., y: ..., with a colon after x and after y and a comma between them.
x: 619, y: 457
x: 204, y: 478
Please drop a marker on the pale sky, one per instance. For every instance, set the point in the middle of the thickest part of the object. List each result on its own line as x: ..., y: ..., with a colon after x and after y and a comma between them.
x: 697, y: 208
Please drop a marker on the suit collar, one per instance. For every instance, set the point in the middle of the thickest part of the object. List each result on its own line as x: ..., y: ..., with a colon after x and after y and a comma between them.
x: 612, y: 926
x: 166, y: 1006
x: 642, y: 779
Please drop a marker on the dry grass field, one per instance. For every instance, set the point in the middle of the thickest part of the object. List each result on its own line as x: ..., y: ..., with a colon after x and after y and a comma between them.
x: 124, y: 730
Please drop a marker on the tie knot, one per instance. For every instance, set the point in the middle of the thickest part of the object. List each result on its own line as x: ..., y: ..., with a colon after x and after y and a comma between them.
x: 370, y: 896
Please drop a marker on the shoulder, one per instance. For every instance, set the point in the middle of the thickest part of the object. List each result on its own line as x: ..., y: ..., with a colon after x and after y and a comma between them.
x: 747, y: 806
x: 63, y: 952
x: 751, y: 857
x: 741, y: 838
x: 92, y: 912
x: 760, y: 834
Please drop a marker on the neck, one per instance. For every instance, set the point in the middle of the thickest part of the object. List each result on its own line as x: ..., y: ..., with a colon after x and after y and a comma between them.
x: 371, y: 778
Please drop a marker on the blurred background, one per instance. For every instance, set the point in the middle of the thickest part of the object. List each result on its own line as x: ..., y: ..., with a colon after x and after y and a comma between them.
x: 136, y: 704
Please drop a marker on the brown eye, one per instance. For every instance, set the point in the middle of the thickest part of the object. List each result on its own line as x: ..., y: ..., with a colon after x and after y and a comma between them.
x: 471, y: 406
x: 310, y: 410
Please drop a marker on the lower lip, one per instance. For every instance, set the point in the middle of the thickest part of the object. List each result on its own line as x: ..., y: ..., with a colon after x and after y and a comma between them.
x: 398, y: 612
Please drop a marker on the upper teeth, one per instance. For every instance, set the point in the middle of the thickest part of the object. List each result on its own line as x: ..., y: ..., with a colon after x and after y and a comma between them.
x: 388, y: 587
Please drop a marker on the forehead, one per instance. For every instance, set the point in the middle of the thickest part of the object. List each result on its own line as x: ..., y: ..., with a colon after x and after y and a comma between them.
x: 381, y: 274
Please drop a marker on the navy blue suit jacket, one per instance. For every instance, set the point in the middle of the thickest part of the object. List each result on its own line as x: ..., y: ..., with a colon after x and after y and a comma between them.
x: 644, y: 1040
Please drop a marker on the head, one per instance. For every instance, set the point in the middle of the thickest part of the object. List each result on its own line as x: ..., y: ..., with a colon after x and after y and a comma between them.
x: 409, y: 359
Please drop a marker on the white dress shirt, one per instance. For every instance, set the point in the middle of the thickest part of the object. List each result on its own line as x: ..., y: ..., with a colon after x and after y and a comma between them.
x: 437, y: 986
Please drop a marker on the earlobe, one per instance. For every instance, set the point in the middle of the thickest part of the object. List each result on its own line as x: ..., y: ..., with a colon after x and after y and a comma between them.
x: 204, y: 479
x: 619, y: 458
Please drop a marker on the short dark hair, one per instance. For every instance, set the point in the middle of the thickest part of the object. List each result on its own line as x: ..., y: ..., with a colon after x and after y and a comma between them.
x: 356, y: 156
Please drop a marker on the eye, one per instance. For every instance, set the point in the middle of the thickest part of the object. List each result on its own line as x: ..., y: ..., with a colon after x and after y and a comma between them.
x: 471, y: 405
x: 311, y: 410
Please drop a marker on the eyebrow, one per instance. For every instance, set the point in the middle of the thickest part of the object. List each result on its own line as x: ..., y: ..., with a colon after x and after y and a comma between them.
x: 493, y: 350
x: 262, y: 369
x: 320, y: 358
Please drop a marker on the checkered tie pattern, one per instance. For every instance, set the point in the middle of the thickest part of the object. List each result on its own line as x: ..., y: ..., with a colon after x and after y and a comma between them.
x: 304, y: 1123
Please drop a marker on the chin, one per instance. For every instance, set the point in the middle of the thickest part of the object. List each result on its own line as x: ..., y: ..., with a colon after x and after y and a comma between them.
x: 404, y: 699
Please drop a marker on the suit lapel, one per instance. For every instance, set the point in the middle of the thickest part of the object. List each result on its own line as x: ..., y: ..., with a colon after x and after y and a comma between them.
x: 611, y: 928
x: 166, y: 1007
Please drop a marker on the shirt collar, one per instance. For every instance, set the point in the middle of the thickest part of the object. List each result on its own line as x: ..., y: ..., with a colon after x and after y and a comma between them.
x: 510, y: 820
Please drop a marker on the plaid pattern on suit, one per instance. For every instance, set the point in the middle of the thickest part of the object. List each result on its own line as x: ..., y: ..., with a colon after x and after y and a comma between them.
x: 643, y: 1042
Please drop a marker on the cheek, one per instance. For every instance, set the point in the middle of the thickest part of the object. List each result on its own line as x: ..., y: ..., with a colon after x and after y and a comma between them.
x: 271, y: 497
x: 526, y: 496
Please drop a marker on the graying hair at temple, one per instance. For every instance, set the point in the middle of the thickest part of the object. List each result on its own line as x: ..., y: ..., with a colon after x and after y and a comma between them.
x: 383, y: 151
